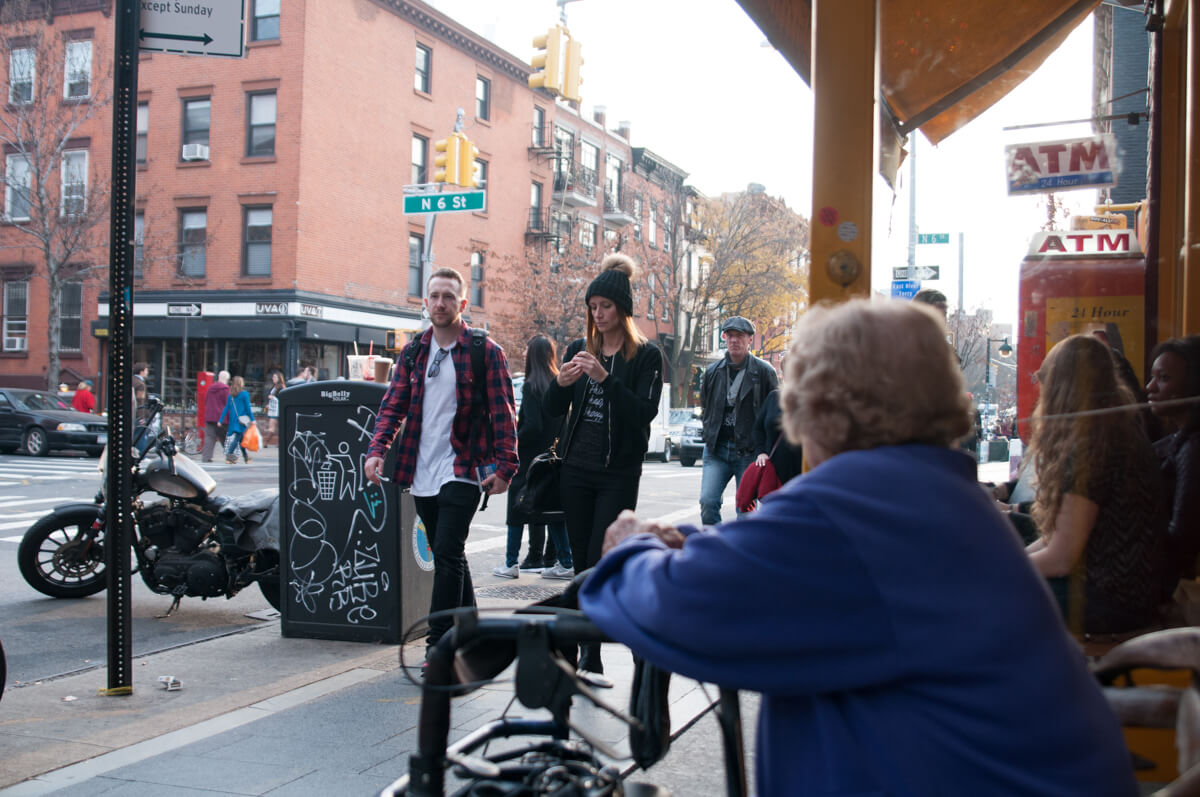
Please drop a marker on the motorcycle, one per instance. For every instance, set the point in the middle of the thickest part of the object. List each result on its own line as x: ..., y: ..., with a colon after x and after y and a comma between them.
x: 187, y: 543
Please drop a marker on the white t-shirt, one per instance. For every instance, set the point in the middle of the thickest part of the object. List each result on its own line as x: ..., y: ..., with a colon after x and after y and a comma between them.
x: 439, y: 404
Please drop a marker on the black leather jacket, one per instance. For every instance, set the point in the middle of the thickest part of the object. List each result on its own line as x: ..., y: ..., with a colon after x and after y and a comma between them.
x: 759, y: 380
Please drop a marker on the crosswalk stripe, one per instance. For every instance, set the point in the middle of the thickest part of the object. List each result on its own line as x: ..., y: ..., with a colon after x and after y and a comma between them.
x: 19, y: 524
x: 19, y: 500
x: 10, y: 539
x: 21, y: 515
x: 36, y: 476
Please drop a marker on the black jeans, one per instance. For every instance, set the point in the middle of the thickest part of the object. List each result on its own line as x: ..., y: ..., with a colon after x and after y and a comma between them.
x: 592, y: 499
x: 447, y: 518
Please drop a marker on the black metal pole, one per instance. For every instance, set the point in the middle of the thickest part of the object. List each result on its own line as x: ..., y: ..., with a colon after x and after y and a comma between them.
x: 118, y: 522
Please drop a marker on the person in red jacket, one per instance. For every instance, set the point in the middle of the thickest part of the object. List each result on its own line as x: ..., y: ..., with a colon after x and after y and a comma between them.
x: 84, y: 400
x: 214, y: 405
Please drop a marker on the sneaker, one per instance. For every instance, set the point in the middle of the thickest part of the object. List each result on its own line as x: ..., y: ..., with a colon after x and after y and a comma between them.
x: 559, y: 572
x: 506, y: 572
x: 531, y: 564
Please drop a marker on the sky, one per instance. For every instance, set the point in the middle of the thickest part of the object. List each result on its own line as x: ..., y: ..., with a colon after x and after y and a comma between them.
x: 700, y: 86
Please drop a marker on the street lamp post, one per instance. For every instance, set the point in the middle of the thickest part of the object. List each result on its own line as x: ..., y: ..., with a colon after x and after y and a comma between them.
x: 1005, y: 350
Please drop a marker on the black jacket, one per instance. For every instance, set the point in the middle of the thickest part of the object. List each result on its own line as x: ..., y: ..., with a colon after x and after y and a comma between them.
x: 759, y: 380
x: 633, y: 389
x: 788, y: 459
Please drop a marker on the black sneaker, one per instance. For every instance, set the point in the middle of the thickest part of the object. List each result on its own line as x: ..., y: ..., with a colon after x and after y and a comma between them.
x: 533, y: 565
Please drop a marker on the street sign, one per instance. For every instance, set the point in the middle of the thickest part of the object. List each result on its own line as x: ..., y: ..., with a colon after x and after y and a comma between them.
x: 916, y: 272
x: 193, y: 28
x: 186, y: 309
x: 445, y: 203
x: 933, y: 237
x: 905, y: 289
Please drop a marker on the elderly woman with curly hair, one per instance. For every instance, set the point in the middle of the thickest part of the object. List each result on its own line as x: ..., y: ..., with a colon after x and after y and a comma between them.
x: 1099, y: 497
x: 885, y: 610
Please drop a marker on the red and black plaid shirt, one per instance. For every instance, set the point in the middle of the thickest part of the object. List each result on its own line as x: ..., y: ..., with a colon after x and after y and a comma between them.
x: 470, y: 440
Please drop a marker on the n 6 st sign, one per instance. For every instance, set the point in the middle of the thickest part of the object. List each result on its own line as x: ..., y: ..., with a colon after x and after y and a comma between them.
x: 444, y: 203
x: 1058, y: 165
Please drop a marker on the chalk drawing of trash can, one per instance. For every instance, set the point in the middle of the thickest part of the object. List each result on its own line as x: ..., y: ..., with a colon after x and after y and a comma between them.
x: 326, y: 482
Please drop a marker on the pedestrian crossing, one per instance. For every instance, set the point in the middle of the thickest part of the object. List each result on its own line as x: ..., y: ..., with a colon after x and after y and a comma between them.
x: 18, y: 513
x: 16, y: 471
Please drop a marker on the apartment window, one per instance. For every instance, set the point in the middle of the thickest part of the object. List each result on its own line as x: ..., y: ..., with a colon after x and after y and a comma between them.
x: 637, y: 216
x: 481, y: 175
x: 612, y: 181
x: 143, y: 130
x: 260, y: 131
x: 420, y: 159
x: 477, y: 279
x: 483, y: 98
x: 77, y: 70
x: 16, y: 315
x: 70, y: 314
x: 416, y: 245
x: 424, y: 70
x: 193, y: 235
x: 265, y: 23
x: 589, y: 156
x: 653, y: 230
x: 587, y: 235
x: 256, y: 241
x: 539, y: 126
x: 21, y: 75
x: 610, y: 237
x: 650, y: 296
x: 561, y: 227
x: 535, y: 206
x: 666, y: 233
x: 564, y: 154
x: 74, y: 183
x: 139, y: 242
x: 195, y: 121
x: 16, y: 187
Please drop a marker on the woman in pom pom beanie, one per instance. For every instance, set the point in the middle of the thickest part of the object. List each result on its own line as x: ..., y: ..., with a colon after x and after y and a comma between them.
x: 610, y: 383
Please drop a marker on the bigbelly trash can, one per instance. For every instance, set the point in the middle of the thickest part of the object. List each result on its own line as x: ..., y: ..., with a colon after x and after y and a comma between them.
x: 354, y: 563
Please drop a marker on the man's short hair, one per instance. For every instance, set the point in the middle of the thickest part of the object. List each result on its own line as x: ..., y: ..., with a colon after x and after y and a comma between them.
x: 139, y: 367
x: 931, y: 296
x: 445, y: 272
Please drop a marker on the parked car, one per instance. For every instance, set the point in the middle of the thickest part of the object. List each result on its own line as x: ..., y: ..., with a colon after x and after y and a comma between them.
x: 691, y: 444
x: 40, y: 421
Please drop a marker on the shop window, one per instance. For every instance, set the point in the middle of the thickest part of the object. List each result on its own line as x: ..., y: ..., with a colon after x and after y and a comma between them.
x: 265, y: 23
x: 256, y: 242
x: 70, y: 314
x: 16, y: 315
x: 260, y: 124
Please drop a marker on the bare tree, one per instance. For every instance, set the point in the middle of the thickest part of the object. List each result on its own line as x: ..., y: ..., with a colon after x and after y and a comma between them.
x: 56, y: 195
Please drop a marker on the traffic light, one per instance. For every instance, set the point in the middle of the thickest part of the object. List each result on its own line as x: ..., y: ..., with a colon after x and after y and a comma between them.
x: 467, y: 152
x: 447, y: 160
x: 548, y: 64
x: 571, y: 76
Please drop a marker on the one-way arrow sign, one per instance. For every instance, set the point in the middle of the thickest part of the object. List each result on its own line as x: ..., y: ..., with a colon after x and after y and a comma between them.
x: 192, y: 309
x: 193, y: 27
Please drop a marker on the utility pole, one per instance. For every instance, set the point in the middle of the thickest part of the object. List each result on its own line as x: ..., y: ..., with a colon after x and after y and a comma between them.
x: 912, y: 203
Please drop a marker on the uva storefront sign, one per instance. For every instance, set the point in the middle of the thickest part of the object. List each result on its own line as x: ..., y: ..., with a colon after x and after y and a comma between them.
x: 1058, y: 165
x: 1087, y: 243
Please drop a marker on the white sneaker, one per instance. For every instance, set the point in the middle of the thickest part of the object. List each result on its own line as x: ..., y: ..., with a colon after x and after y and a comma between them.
x: 559, y: 572
x: 506, y: 572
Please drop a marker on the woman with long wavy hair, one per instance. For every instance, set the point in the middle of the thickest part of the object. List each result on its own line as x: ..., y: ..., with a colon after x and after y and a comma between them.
x: 1099, y: 493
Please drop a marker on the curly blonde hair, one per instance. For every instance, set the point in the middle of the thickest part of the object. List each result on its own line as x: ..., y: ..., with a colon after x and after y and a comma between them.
x: 1077, y: 376
x: 865, y: 374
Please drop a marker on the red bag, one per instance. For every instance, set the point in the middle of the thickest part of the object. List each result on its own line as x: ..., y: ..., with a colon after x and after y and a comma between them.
x: 756, y: 483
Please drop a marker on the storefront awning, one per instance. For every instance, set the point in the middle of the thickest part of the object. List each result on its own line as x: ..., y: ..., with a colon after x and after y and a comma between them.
x: 943, y: 62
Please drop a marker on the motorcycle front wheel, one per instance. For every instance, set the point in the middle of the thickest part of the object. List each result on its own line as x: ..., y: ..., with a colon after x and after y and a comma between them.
x: 57, y: 557
x: 270, y: 591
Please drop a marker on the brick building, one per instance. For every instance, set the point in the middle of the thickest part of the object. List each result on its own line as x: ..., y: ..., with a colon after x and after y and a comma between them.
x: 269, y: 191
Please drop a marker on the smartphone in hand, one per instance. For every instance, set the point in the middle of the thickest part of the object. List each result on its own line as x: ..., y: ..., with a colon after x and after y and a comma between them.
x: 481, y: 473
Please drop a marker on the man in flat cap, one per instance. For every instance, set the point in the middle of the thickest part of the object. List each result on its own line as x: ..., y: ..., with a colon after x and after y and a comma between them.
x: 731, y: 394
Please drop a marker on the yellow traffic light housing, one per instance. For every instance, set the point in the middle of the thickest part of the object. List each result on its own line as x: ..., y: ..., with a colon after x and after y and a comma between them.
x: 571, y: 76
x: 548, y: 64
x: 447, y: 160
x: 467, y: 152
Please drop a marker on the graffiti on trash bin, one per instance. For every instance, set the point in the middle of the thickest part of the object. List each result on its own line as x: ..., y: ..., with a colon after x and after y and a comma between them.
x: 334, y: 569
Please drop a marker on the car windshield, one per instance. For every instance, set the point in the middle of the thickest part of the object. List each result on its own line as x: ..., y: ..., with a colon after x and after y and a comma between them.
x: 40, y: 401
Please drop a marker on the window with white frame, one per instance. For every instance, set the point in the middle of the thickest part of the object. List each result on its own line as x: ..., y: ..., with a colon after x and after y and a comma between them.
x: 652, y: 228
x: 143, y: 130
x: 21, y: 75
x: 424, y: 69
x: 539, y: 126
x: 561, y: 227
x: 483, y: 98
x: 637, y: 218
x: 666, y: 232
x: 477, y: 279
x: 611, y: 236
x: 196, y: 113
x: 77, y: 70
x: 420, y: 159
x: 416, y: 246
x: 650, y: 285
x: 256, y: 241
x: 260, y: 124
x: 74, y: 183
x: 70, y: 314
x: 481, y: 174
x: 193, y: 240
x: 265, y: 24
x: 16, y: 187
x: 587, y: 235
x: 16, y: 315
x: 139, y: 242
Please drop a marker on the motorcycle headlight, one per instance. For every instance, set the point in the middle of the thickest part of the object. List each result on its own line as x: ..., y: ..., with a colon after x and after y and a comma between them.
x: 71, y: 427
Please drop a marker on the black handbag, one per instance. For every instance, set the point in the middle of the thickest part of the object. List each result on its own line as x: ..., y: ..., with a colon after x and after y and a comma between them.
x: 539, y: 495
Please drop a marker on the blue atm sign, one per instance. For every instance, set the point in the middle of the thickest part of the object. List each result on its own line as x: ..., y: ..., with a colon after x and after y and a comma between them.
x: 445, y: 203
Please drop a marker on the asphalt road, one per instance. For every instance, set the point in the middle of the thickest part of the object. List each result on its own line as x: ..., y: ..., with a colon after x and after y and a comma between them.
x: 47, y: 637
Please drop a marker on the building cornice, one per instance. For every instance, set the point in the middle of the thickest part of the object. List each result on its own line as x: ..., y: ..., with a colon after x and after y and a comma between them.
x: 443, y: 27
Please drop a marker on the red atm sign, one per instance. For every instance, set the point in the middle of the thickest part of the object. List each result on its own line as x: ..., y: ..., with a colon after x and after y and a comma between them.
x: 1058, y: 165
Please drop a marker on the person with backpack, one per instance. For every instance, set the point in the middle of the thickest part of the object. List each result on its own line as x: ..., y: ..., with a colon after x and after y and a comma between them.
x: 452, y: 391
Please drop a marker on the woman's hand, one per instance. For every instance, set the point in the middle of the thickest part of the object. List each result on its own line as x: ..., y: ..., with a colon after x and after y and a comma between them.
x: 589, y: 365
x: 569, y: 374
x: 761, y: 460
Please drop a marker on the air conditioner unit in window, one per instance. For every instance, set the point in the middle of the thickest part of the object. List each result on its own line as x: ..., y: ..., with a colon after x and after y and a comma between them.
x: 195, y: 152
x: 14, y: 344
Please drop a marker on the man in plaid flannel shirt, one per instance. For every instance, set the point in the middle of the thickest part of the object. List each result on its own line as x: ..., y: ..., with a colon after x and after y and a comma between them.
x: 445, y: 444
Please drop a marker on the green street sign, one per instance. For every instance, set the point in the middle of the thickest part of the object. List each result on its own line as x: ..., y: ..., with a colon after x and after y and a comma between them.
x: 933, y: 238
x: 445, y: 203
